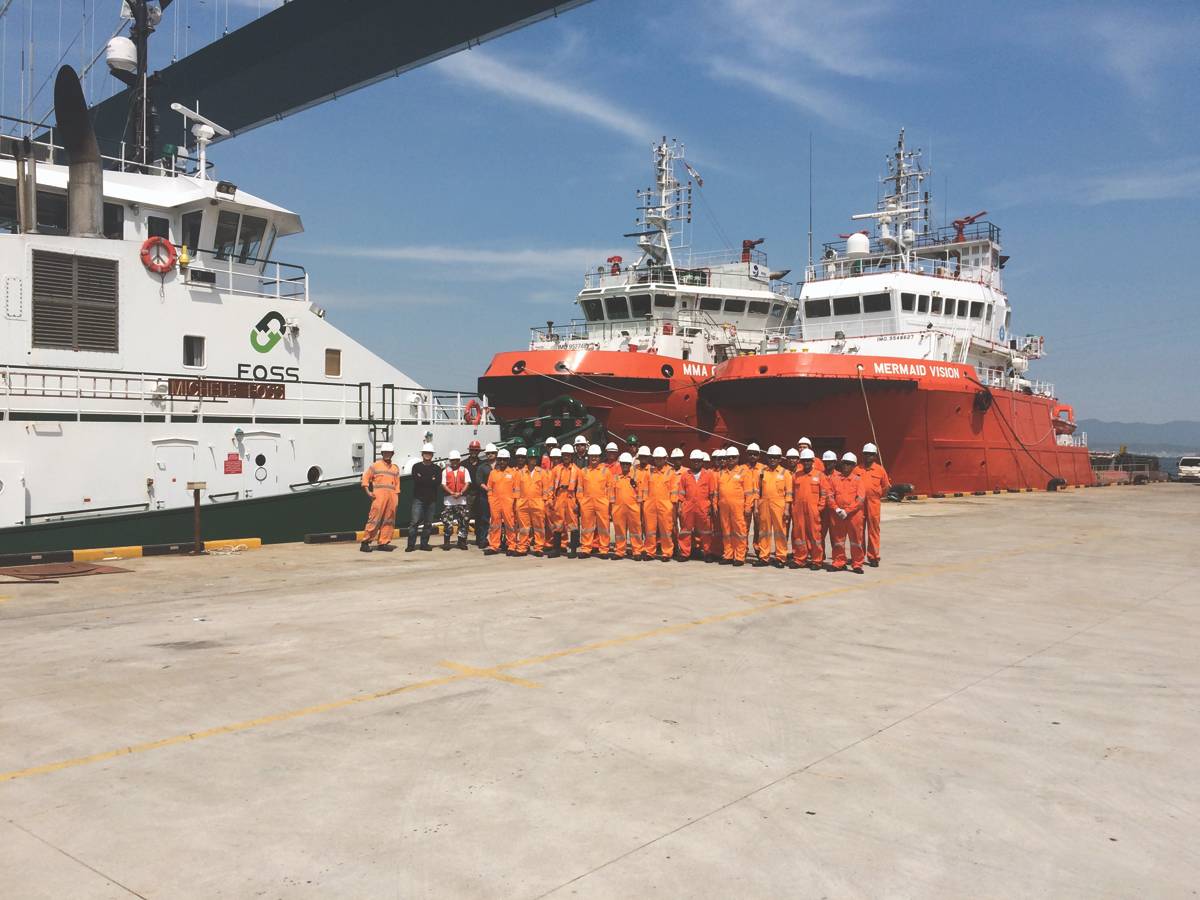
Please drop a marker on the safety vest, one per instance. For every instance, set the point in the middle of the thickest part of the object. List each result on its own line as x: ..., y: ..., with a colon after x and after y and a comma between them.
x: 455, y: 480
x: 381, y: 476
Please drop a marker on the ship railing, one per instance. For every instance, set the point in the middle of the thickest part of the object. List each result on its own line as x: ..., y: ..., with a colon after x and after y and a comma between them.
x: 943, y: 266
x: 1078, y: 439
x: 34, y: 393
x: 227, y: 272
x: 581, y: 334
x: 990, y: 376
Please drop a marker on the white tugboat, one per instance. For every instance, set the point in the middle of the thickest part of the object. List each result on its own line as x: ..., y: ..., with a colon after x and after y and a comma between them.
x: 151, y: 339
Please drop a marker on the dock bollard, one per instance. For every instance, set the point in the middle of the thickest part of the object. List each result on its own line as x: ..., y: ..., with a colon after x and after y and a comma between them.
x: 196, y: 487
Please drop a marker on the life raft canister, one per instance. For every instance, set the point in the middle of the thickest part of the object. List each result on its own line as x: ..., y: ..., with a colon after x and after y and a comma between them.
x: 158, y: 255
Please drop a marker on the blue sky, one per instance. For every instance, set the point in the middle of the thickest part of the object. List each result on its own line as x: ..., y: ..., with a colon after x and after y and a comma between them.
x: 463, y: 201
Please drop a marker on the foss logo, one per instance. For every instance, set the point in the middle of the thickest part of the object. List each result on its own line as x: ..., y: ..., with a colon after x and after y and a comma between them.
x: 263, y: 338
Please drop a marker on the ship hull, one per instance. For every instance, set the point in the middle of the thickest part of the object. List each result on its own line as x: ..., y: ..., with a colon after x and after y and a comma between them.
x: 937, y: 427
x: 634, y: 397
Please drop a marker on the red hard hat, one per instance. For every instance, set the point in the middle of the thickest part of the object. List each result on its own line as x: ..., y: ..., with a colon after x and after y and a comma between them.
x: 474, y: 445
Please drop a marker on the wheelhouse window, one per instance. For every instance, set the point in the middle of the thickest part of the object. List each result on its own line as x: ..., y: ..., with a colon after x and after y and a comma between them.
x: 735, y: 306
x: 333, y: 363
x: 790, y: 316
x: 616, y: 307
x: 935, y: 305
x: 949, y: 310
x: 976, y: 309
x: 964, y: 307
x: 908, y: 302
x: 759, y: 307
x: 664, y: 301
x: 710, y: 304
x: 923, y: 303
x: 250, y: 238
x: 873, y: 303
x: 114, y: 221
x: 158, y: 226
x: 190, y: 236
x: 988, y: 316
x: 226, y: 236
x: 75, y: 302
x: 845, y: 306
x: 816, y: 309
x: 639, y: 305
x: 193, y: 351
x: 593, y: 311
x: 776, y: 310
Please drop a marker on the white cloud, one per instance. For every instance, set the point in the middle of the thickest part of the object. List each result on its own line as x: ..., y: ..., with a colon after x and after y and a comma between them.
x: 1177, y: 179
x: 534, y: 263
x: 478, y: 68
x: 830, y: 107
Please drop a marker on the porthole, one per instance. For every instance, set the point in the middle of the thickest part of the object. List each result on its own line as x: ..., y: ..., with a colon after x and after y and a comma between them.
x: 314, y: 474
x: 260, y: 460
x: 668, y: 371
x: 518, y: 367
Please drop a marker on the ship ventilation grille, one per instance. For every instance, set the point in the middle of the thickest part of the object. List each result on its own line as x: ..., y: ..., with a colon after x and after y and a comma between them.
x: 74, y: 302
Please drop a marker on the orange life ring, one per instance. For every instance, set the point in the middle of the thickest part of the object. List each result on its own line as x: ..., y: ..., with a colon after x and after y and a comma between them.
x: 473, y: 412
x: 159, y: 265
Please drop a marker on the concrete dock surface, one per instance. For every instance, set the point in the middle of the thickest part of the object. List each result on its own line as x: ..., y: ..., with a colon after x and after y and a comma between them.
x: 1009, y: 706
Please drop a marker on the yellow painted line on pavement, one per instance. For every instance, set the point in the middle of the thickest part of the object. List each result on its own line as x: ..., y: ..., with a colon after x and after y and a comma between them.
x: 463, y: 672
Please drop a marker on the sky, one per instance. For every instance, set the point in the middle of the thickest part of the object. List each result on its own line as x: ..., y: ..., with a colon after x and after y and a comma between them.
x: 464, y: 200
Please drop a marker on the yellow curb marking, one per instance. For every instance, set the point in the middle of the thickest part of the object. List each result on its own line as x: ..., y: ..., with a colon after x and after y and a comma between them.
x: 472, y: 672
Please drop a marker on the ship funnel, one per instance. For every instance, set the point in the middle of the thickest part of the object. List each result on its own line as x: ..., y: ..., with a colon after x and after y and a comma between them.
x: 85, y: 183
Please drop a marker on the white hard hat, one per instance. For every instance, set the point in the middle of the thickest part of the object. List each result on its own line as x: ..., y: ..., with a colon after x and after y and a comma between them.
x: 594, y: 450
x: 732, y: 451
x: 427, y: 448
x: 828, y: 456
x: 643, y: 450
x: 490, y: 448
x: 753, y: 448
x: 849, y: 457
x: 870, y: 448
x: 454, y: 454
x: 552, y: 441
x: 386, y: 448
x: 611, y: 446
x: 556, y: 453
x: 704, y: 456
x: 804, y: 442
x: 566, y: 448
x: 625, y: 458
x: 503, y: 454
x: 774, y: 450
x: 660, y: 452
x: 696, y: 454
x: 521, y: 451
x: 807, y: 454
x: 718, y: 453
x: 677, y: 453
x: 580, y: 439
x: 794, y: 453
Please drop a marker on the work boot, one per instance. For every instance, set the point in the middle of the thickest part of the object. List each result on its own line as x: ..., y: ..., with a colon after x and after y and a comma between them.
x: 409, y: 549
x: 873, y: 563
x: 426, y: 547
x: 365, y: 546
x: 573, y: 545
x: 816, y: 567
x: 739, y: 562
x: 490, y: 552
x: 446, y: 541
x: 462, y: 544
x: 794, y: 565
x: 386, y: 548
x: 758, y: 563
x: 857, y: 570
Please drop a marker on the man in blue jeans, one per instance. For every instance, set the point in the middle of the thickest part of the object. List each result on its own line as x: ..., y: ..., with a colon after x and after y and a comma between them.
x: 426, y: 476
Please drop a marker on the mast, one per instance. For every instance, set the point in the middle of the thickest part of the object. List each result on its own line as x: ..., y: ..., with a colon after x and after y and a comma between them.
x: 664, y: 207
x: 905, y: 205
x: 142, y: 115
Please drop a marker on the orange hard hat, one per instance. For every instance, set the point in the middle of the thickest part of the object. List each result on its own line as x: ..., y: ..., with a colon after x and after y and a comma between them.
x: 474, y: 445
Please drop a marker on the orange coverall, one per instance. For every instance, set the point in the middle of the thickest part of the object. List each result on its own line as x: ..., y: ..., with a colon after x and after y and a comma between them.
x: 564, y: 478
x: 875, y: 485
x: 629, y: 492
x: 809, y: 492
x: 774, y: 502
x: 736, y: 493
x: 501, y: 491
x: 384, y: 481
x: 848, y: 494
x: 697, y: 491
x: 532, y: 492
x: 594, y: 490
x: 662, y: 493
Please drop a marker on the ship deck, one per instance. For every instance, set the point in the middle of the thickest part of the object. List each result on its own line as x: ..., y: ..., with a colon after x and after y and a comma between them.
x: 1007, y: 707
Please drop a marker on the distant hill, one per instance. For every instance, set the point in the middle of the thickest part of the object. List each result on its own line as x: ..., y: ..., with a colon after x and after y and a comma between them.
x: 1168, y: 439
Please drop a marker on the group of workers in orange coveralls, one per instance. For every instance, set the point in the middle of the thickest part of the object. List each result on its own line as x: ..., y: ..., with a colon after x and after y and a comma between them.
x: 581, y: 501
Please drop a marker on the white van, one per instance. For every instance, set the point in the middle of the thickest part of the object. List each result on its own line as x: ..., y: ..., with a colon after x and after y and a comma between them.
x: 1189, y: 468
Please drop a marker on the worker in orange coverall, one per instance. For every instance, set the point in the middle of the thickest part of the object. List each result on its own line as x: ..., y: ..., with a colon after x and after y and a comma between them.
x: 662, y: 504
x: 736, y: 493
x: 828, y: 463
x: 717, y: 462
x: 629, y: 492
x: 818, y: 466
x: 381, y: 481
x: 697, y: 500
x: 564, y: 517
x: 774, y: 511
x: 501, y: 490
x: 810, y: 491
x: 533, y: 489
x: 594, y: 491
x: 848, y: 499
x: 875, y: 484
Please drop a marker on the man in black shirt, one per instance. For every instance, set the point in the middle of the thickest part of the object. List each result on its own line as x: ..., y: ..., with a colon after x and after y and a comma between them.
x: 426, y: 476
x: 479, y: 469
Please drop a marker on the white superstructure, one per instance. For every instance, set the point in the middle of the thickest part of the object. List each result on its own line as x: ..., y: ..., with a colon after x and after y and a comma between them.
x: 671, y: 301
x: 120, y: 385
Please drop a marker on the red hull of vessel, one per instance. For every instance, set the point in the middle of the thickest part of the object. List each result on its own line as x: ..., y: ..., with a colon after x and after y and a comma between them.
x: 628, y: 393
x: 934, y: 426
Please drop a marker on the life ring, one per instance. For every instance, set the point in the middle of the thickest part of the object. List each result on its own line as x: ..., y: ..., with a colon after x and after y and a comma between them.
x: 158, y: 262
x: 473, y: 412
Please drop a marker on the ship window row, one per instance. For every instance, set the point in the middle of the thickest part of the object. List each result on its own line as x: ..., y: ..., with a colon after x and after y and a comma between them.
x: 876, y: 303
x: 638, y: 306
x: 52, y: 213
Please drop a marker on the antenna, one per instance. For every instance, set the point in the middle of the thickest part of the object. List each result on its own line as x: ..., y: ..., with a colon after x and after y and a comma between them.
x: 810, y: 202
x: 203, y: 131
